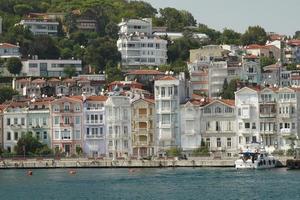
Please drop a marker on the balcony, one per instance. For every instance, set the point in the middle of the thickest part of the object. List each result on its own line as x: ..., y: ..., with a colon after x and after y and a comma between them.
x: 285, y: 131
x: 94, y: 136
x: 91, y: 122
x: 285, y: 115
x: 66, y: 125
x: 66, y: 111
x: 16, y: 126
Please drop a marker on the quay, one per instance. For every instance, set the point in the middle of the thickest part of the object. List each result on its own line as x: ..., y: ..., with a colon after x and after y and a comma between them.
x: 40, y: 163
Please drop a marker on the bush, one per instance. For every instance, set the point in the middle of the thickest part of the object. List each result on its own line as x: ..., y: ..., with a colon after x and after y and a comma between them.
x: 279, y: 152
x: 174, y: 152
x: 291, y: 152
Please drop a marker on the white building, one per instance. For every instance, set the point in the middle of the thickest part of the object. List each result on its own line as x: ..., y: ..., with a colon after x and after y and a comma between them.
x: 247, y: 118
x: 217, y: 73
x: 49, y: 68
x: 138, y: 46
x: 41, y: 26
x: 170, y: 92
x: 118, y: 127
x: 9, y: 51
x: 190, y: 126
x: 94, y: 144
x: 218, y: 128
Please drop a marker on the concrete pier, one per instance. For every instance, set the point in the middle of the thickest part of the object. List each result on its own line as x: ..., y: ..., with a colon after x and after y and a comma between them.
x: 108, y: 163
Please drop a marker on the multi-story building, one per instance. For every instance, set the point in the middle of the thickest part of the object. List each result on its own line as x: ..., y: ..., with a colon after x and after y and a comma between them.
x: 138, y: 46
x: 169, y: 93
x: 208, y: 53
x: 199, y: 76
x: 270, y: 51
x: 49, y: 68
x: 251, y: 70
x: 94, y: 133
x: 143, y: 127
x: 41, y: 26
x: 38, y: 120
x: 190, y: 125
x: 218, y: 127
x: 247, y: 118
x: 66, y: 125
x: 14, y: 124
x: 217, y: 73
x: 9, y: 51
x: 118, y: 127
x: 292, y: 51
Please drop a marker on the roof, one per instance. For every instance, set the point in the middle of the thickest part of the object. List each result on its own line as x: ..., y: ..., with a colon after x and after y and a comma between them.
x: 152, y: 101
x: 97, y: 98
x: 53, y: 80
x: 250, y: 56
x: 257, y: 46
x: 8, y: 45
x: 38, y: 80
x: 229, y: 102
x: 167, y: 78
x: 125, y: 83
x: 145, y: 72
x: 294, y: 42
x: 23, y: 80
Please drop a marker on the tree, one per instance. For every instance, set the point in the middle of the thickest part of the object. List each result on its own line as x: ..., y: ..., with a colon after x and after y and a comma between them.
x: 102, y: 51
x: 44, y: 47
x: 266, y: 61
x: 230, y: 37
x: 174, y: 152
x: 6, y: 93
x: 297, y: 35
x: 69, y: 71
x: 203, y: 150
x: 113, y: 73
x: 22, y: 9
x: 31, y: 145
x: 291, y: 67
x: 229, y: 89
x: 254, y: 35
x: 213, y: 35
x: 14, y: 65
x: 111, y: 30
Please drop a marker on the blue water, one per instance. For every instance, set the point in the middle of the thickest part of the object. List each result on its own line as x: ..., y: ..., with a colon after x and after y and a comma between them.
x: 179, y: 183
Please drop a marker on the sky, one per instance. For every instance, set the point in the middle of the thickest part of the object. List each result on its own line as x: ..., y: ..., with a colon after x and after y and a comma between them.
x: 280, y: 16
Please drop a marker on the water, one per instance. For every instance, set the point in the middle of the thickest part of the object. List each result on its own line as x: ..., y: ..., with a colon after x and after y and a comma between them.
x: 179, y: 183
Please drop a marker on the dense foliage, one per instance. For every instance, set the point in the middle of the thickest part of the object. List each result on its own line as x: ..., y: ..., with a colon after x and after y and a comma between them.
x: 229, y: 89
x: 6, y: 93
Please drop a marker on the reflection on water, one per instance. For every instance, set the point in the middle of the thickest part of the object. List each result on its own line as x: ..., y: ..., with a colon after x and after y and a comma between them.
x: 169, y: 183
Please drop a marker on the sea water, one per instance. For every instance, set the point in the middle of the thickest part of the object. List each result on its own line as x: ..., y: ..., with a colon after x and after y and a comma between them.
x: 164, y: 183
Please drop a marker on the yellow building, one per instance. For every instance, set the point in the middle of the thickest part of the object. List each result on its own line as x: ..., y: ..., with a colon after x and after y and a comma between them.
x: 143, y: 128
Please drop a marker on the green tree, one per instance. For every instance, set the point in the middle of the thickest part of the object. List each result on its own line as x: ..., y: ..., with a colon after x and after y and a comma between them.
x: 113, y: 73
x: 291, y: 67
x: 297, y: 35
x: 22, y: 9
x: 174, y: 152
x: 230, y: 37
x: 31, y: 144
x: 14, y: 65
x: 213, y: 35
x: 265, y: 61
x: 44, y: 47
x: 102, y: 51
x: 6, y: 93
x: 111, y: 30
x: 203, y: 150
x: 69, y: 71
x: 254, y: 35
x: 229, y: 89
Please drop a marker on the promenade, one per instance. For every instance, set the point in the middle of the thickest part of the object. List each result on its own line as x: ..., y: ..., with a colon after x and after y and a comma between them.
x: 108, y: 163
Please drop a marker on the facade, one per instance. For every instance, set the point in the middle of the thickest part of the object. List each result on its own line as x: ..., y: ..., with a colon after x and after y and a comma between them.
x: 190, y: 114
x: 138, y: 46
x: 66, y: 125
x: 169, y: 92
x: 292, y: 51
x: 41, y: 26
x: 218, y: 127
x: 251, y: 70
x: 49, y: 68
x: 199, y: 76
x: 143, y: 128
x: 86, y: 24
x: 270, y: 51
x: 208, y: 53
x: 217, y: 73
x: 94, y: 133
x: 118, y: 127
x: 9, y: 51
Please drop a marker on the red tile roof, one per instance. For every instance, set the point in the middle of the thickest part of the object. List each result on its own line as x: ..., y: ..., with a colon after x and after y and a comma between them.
x: 38, y: 81
x: 23, y: 80
x: 145, y: 72
x: 7, y: 45
x: 167, y: 78
x: 294, y: 42
x: 97, y: 98
x: 229, y: 102
x: 53, y: 80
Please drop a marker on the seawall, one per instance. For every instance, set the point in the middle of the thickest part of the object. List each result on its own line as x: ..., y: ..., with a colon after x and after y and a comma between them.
x: 107, y: 163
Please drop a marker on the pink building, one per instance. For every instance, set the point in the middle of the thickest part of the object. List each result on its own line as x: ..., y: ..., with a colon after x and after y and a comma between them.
x: 66, y: 125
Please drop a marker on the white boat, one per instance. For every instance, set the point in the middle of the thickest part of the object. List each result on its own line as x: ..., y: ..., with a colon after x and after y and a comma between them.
x: 255, y: 158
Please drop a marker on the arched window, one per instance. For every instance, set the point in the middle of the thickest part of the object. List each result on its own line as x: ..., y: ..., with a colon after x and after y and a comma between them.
x: 218, y: 110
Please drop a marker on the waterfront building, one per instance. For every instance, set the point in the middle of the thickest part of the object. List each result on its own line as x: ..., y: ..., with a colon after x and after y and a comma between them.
x: 138, y: 46
x: 9, y: 51
x: 218, y: 128
x: 251, y: 70
x: 247, y: 116
x: 49, y: 68
x: 169, y: 93
x: 38, y: 120
x: 94, y: 134
x: 190, y: 113
x: 199, y: 77
x: 14, y: 124
x: 217, y: 73
x: 66, y: 125
x: 143, y: 128
x: 118, y: 127
x: 41, y: 26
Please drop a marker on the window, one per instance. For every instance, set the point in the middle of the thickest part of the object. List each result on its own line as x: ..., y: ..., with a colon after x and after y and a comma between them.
x: 77, y: 135
x: 77, y: 108
x: 239, y: 112
x: 66, y: 106
x: 207, y: 110
x: 165, y: 105
x: 247, y: 139
x: 162, y: 92
x: 67, y: 120
x: 37, y: 134
x: 165, y: 119
x: 56, y: 108
x: 56, y: 120
x: 253, y: 125
x: 293, y: 126
x: 16, y: 136
x: 170, y: 91
x: 247, y: 125
x: 15, y: 120
x: 218, y: 128
x: 254, y: 139
x: 44, y: 121
x: 125, y: 130
x: 8, y: 121
x: 101, y: 131
x: 77, y: 119
x: 110, y: 130
x: 228, y: 110
x: 45, y: 135
x: 66, y: 134
x: 218, y: 110
x: 228, y: 142
x: 126, y: 144
x: 101, y: 118
x: 8, y: 136
x: 207, y: 142
x: 175, y: 90
x: 218, y: 142
x: 22, y: 121
x: 56, y: 135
